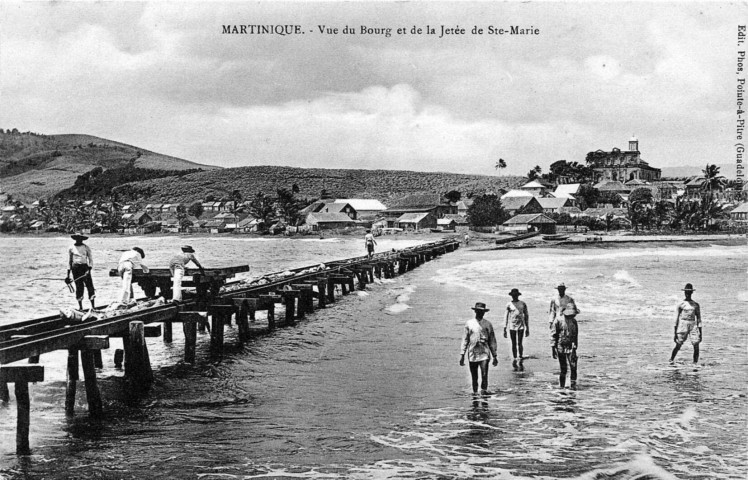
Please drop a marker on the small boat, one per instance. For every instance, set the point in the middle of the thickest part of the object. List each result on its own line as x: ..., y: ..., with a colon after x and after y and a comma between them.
x: 514, y: 238
x: 555, y: 237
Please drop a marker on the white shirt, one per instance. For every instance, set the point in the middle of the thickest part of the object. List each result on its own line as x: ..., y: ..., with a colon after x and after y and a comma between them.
x: 133, y: 257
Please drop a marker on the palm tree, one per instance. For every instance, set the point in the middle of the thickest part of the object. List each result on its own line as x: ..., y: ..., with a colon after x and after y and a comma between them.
x: 713, y: 180
x: 500, y: 165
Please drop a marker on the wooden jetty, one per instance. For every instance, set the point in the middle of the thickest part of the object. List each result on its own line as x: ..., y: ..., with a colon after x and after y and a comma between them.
x: 215, y: 303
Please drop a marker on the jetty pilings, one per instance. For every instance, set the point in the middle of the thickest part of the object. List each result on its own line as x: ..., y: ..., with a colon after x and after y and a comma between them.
x: 212, y: 308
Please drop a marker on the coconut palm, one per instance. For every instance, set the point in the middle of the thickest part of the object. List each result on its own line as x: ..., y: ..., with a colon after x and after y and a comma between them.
x: 713, y: 180
x: 500, y: 165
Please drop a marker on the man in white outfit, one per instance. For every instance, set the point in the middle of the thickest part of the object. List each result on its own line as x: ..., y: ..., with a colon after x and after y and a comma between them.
x: 177, y: 266
x: 129, y: 260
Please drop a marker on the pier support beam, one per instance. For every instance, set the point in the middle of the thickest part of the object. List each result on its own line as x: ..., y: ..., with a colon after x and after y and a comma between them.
x: 137, y: 363
x: 219, y: 314
x: 190, y: 321
x: 21, y: 375
x: 95, y: 408
x: 72, y: 381
x: 269, y: 301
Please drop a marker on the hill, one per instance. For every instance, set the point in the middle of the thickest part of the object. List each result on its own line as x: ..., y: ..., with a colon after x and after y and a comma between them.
x: 36, y: 166
x: 725, y: 169
x: 384, y: 185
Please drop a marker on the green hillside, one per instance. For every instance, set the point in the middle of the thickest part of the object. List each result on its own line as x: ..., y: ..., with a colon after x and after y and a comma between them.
x: 385, y: 185
x: 36, y: 166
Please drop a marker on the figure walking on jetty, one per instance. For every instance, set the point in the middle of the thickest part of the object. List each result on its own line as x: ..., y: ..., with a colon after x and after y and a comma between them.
x: 127, y: 262
x: 467, y: 239
x: 687, y: 324
x: 564, y: 341
x: 558, y: 303
x: 479, y: 342
x: 517, y: 318
x: 370, y: 242
x: 80, y: 264
x: 177, y: 265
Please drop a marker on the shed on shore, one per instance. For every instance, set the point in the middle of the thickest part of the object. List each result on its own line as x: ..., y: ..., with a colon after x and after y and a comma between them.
x: 531, y: 221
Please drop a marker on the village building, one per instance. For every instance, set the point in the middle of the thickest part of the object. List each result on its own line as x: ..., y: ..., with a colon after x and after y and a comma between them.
x: 554, y: 205
x: 434, y: 204
x: 568, y: 190
x: 518, y: 205
x: 535, y: 188
x: 623, y: 165
x: 139, y: 218
x: 517, y: 193
x: 530, y: 222
x: 446, y: 224
x: 740, y: 213
x: 416, y: 221
x: 339, y: 207
x: 366, y: 208
x: 324, y: 221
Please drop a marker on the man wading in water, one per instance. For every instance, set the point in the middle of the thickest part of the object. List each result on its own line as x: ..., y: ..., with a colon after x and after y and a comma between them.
x: 479, y: 341
x: 558, y: 303
x: 517, y: 318
x: 80, y: 264
x: 564, y: 338
x: 687, y: 325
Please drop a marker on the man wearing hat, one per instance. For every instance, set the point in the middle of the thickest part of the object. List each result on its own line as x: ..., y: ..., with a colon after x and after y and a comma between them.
x: 479, y: 342
x: 80, y: 263
x: 564, y: 340
x: 129, y: 260
x: 177, y: 265
x: 558, y: 303
x: 687, y: 324
x: 517, y: 319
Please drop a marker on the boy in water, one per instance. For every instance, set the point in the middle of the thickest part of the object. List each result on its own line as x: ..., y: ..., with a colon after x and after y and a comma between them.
x: 517, y: 319
x: 687, y: 324
x: 479, y: 341
x: 564, y: 337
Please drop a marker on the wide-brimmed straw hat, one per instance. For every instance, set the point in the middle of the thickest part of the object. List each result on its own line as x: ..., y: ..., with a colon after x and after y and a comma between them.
x: 561, y: 285
x: 78, y: 236
x: 515, y: 292
x: 689, y: 288
x: 188, y: 249
x: 480, y: 306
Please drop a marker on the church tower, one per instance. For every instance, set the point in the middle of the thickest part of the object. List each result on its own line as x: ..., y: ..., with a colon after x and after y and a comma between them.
x: 633, y: 144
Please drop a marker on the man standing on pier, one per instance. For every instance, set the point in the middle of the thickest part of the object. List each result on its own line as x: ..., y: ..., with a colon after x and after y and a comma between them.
x: 80, y: 263
x: 177, y: 266
x: 558, y: 303
x: 479, y: 342
x: 127, y: 262
x: 687, y: 324
x: 370, y: 242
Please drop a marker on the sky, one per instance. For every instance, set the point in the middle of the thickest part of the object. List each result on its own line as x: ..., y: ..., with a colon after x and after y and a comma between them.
x: 162, y: 76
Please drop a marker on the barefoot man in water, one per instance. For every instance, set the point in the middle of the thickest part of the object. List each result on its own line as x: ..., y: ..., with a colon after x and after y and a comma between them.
x: 687, y: 324
x: 558, y: 303
x: 479, y: 341
x: 517, y: 319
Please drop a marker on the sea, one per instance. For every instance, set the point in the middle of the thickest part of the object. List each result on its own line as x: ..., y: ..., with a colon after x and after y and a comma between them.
x: 371, y: 387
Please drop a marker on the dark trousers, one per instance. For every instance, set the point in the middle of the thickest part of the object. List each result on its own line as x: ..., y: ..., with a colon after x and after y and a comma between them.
x: 474, y: 366
x: 82, y: 279
x: 569, y: 359
x: 516, y: 336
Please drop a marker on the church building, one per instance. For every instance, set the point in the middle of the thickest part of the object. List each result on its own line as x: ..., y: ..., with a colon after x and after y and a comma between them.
x: 622, y: 165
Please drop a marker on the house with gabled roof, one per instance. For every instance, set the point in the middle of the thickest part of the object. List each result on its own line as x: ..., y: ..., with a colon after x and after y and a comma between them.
x: 432, y: 203
x: 553, y: 205
x: 339, y: 207
x: 529, y: 222
x: 365, y: 207
x: 525, y: 204
x: 416, y: 221
x: 740, y: 213
x: 322, y: 221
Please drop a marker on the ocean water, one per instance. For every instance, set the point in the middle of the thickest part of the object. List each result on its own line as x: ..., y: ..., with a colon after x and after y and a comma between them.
x: 371, y: 387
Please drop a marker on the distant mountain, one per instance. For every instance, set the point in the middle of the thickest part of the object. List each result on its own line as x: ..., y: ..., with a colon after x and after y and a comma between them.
x: 725, y: 169
x: 36, y: 166
x: 385, y: 185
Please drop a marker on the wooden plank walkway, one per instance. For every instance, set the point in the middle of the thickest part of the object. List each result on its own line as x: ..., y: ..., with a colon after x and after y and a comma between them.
x: 214, y: 305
